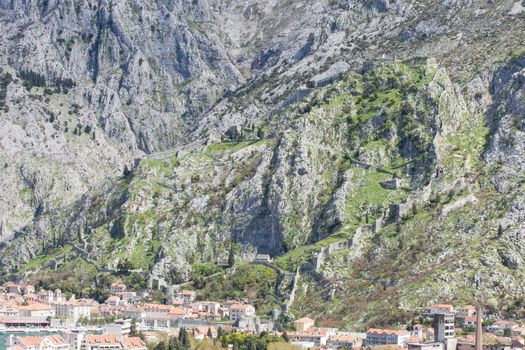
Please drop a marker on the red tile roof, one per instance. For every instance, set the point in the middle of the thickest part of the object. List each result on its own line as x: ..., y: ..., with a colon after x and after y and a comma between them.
x: 344, y: 338
x: 387, y: 331
x: 177, y: 311
x: 101, y: 339
x: 204, y: 330
x: 132, y: 342
x: 504, y: 323
x: 30, y: 340
x: 239, y: 306
x: 157, y: 307
x: 35, y: 307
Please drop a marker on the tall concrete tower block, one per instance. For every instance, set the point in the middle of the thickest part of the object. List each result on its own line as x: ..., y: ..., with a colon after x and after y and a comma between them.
x: 443, y: 327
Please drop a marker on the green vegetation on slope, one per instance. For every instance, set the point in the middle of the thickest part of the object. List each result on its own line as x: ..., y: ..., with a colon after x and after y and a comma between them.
x: 256, y: 283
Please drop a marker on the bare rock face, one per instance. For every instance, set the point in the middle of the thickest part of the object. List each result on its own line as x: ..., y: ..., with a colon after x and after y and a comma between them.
x: 506, y: 120
x: 135, y: 77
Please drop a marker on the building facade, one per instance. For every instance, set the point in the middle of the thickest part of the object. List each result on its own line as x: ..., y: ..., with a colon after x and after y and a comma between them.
x: 444, y: 327
x: 387, y: 337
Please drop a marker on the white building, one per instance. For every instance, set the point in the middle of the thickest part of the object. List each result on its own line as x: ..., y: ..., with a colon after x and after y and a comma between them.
x: 210, y: 307
x: 468, y: 321
x: 314, y: 337
x: 157, y: 309
x: 466, y: 311
x: 119, y: 329
x: 186, y: 296
x: 46, y: 296
x: 74, y: 339
x: 52, y: 342
x: 8, y: 312
x: 344, y: 341
x: 73, y: 310
x: 134, y: 312
x: 386, y: 337
x: 117, y: 287
x: 113, y: 301
x: 239, y: 311
x: 202, y: 332
x: 29, y: 289
x: 132, y: 343
x: 426, y: 346
x: 101, y: 342
x: 307, y: 340
x: 58, y: 296
x: 444, y: 327
x: 36, y: 310
x: 262, y: 259
x: 501, y: 326
x: 126, y: 296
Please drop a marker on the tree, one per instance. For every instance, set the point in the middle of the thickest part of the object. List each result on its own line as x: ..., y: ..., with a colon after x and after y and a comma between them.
x: 133, y: 330
x: 500, y: 231
x: 507, y: 332
x: 161, y: 346
x: 174, y: 344
x: 220, y: 332
x: 125, y: 265
x: 231, y: 256
x: 184, y: 339
x: 286, y: 337
x: 209, y: 334
x: 263, y: 334
x: 469, y: 329
x: 250, y: 343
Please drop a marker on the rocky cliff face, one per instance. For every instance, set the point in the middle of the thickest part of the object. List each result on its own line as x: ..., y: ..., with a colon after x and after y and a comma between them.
x: 157, y: 135
x: 463, y: 240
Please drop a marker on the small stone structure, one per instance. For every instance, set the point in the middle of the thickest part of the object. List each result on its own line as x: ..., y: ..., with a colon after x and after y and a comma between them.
x: 157, y: 283
x: 390, y: 184
x: 262, y: 259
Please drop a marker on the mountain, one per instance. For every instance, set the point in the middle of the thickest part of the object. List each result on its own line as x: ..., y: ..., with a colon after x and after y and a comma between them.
x: 157, y: 136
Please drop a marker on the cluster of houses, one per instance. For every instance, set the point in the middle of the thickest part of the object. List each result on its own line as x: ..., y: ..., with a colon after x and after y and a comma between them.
x: 183, y: 311
x: 308, y: 335
x: 21, y: 307
x: 447, y: 323
x: 114, y: 337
